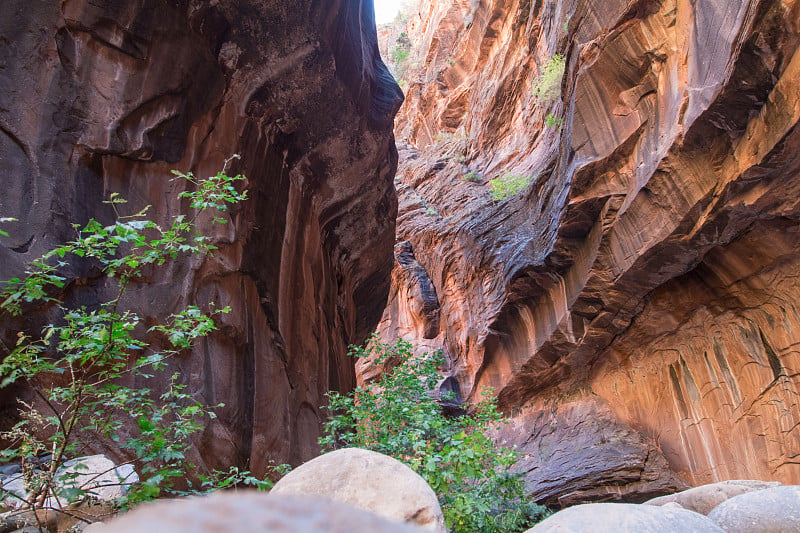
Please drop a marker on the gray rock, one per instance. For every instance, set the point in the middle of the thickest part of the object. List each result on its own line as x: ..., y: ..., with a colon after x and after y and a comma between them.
x: 705, y: 497
x: 251, y: 512
x: 96, y: 474
x: 370, y: 481
x: 775, y: 510
x: 99, y: 475
x: 625, y: 518
x: 10, y: 469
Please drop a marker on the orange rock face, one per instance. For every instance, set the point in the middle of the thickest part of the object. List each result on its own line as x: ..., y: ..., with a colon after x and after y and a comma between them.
x: 650, y: 263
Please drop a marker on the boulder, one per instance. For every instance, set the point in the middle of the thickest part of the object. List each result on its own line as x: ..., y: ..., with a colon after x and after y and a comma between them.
x: 625, y: 518
x: 250, y: 511
x: 774, y: 510
x: 96, y: 474
x: 367, y: 480
x: 581, y: 452
x: 704, y: 498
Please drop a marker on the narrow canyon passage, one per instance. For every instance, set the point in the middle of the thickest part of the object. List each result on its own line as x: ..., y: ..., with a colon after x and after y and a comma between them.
x: 592, y: 207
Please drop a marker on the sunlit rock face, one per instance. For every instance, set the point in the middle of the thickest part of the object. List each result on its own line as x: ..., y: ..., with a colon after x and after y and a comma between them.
x: 650, y: 264
x: 101, y: 97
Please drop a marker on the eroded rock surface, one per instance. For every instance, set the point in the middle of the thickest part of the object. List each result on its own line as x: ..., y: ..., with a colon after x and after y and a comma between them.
x: 580, y: 452
x: 101, y: 97
x: 652, y: 260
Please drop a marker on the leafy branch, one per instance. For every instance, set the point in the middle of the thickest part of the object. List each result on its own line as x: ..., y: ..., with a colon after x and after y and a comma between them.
x: 79, y: 365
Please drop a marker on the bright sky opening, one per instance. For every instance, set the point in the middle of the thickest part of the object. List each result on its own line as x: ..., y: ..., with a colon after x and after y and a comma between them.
x: 385, y: 10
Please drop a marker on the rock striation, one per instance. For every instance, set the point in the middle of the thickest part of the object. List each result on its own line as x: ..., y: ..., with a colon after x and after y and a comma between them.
x: 649, y: 264
x: 102, y: 97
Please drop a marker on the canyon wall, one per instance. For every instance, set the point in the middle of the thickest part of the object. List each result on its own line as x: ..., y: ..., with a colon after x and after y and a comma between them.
x: 102, y: 97
x: 635, y: 307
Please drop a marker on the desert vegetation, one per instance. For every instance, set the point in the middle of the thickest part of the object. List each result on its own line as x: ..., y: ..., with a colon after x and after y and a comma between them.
x: 401, y: 416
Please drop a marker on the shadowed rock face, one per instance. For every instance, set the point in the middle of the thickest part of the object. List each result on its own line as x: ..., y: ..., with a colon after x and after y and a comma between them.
x: 98, y: 97
x: 651, y: 264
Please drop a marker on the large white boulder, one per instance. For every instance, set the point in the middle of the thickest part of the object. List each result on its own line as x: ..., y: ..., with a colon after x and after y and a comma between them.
x: 245, y: 511
x: 625, y: 518
x: 705, y: 497
x: 370, y: 481
x: 775, y: 510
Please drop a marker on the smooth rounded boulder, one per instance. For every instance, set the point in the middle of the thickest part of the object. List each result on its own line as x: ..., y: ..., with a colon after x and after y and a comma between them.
x: 246, y: 511
x: 625, y: 518
x: 704, y: 498
x: 370, y: 481
x: 775, y: 510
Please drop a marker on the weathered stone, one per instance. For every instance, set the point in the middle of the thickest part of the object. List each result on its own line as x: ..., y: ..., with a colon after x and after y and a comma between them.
x: 652, y: 260
x: 10, y: 469
x: 704, y: 498
x: 774, y: 510
x: 249, y: 511
x: 624, y: 518
x: 102, y: 97
x: 96, y: 476
x: 369, y: 481
x: 580, y: 452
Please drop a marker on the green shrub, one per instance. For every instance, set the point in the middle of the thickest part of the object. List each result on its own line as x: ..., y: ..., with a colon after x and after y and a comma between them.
x: 398, y: 416
x: 507, y: 185
x: 547, y: 87
x: 79, y: 362
x: 472, y: 177
x: 552, y: 121
x: 431, y: 211
x: 400, y: 53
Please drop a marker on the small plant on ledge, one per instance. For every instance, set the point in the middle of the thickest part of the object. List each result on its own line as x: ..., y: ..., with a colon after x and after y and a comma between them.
x: 507, y: 185
x: 551, y: 121
x: 547, y: 86
x: 471, y: 177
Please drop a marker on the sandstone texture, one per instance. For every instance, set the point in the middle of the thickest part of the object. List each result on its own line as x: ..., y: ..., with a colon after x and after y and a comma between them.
x: 624, y: 518
x: 581, y: 453
x: 772, y: 510
x: 650, y: 263
x: 102, y: 97
x: 250, y: 511
x: 370, y: 481
x: 704, y: 498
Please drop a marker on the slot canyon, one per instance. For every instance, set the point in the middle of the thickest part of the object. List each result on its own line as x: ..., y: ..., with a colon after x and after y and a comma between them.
x: 632, y: 306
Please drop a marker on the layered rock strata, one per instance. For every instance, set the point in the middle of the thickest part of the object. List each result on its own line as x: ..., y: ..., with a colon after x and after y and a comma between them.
x: 101, y: 97
x: 650, y: 264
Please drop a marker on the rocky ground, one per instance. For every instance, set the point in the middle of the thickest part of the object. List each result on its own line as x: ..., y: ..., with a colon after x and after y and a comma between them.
x: 359, y: 490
